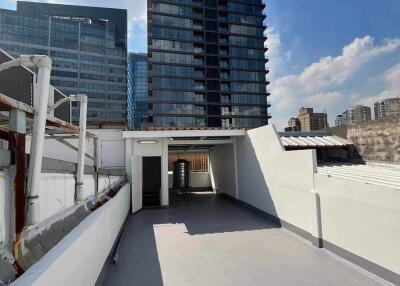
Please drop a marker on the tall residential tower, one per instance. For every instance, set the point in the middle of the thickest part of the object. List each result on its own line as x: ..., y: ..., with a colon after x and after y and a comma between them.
x: 207, y: 64
x: 385, y: 108
x: 88, y: 46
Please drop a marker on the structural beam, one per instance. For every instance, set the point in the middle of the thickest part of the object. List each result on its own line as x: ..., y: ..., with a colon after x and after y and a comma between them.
x: 200, y: 142
x: 184, y: 133
x: 69, y: 145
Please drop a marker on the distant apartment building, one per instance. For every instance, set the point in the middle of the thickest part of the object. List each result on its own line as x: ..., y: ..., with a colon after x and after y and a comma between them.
x: 387, y: 108
x: 137, y: 91
x: 357, y: 114
x: 311, y: 121
x: 294, y: 125
x: 340, y: 120
x: 88, y: 47
x: 207, y: 64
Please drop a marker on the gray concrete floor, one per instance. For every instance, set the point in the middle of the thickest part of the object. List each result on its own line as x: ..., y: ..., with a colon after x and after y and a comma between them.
x: 208, y: 240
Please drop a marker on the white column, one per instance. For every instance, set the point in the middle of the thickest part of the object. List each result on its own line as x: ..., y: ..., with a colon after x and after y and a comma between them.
x: 164, y: 174
x: 236, y: 169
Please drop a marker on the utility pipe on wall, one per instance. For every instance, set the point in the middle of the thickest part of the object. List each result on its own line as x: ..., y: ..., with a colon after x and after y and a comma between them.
x: 97, y: 163
x: 81, y: 146
x: 79, y: 195
x: 43, y: 63
x: 38, y: 131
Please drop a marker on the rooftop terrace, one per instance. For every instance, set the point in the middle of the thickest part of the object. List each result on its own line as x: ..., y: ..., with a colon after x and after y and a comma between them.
x: 206, y: 239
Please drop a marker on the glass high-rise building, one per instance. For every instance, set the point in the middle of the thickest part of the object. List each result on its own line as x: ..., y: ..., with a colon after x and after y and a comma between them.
x: 207, y: 64
x: 88, y: 47
x: 137, y: 91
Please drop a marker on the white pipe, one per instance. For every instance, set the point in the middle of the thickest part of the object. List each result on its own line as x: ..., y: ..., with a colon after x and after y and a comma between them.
x: 82, y: 139
x: 97, y: 162
x: 44, y: 64
x: 81, y: 146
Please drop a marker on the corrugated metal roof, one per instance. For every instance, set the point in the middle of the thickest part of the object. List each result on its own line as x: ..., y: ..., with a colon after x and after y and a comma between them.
x: 310, y: 139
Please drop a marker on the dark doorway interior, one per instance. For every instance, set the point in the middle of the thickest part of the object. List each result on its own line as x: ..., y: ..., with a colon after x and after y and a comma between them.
x: 151, y: 181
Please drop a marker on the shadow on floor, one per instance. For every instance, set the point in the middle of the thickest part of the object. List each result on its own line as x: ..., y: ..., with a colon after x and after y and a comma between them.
x: 201, y: 213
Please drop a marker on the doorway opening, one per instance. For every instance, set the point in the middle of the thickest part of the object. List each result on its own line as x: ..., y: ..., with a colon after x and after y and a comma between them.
x: 151, y: 189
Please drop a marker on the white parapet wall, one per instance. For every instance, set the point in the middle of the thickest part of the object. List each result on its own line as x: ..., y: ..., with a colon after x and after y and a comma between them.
x: 57, y: 194
x: 111, y: 155
x: 268, y: 177
x: 78, y: 259
x: 362, y: 219
x: 356, y: 220
x: 57, y: 191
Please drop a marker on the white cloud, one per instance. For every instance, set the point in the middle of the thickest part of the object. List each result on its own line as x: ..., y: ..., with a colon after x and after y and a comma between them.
x: 274, y: 51
x: 323, y: 99
x: 391, y: 80
x: 317, y: 81
x: 289, y: 55
x: 392, y: 76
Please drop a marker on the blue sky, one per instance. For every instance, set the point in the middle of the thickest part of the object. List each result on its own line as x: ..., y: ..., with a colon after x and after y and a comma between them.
x: 324, y: 54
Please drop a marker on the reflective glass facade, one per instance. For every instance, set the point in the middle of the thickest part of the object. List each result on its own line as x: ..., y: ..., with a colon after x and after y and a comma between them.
x: 88, y: 49
x: 137, y: 91
x: 207, y: 65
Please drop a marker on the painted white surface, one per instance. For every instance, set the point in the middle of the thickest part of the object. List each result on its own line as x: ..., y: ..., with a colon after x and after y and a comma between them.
x: 361, y: 218
x: 80, y: 256
x: 57, y: 191
x: 222, y: 168
x: 56, y: 150
x: 56, y: 194
x: 137, y: 194
x: 358, y: 217
x: 270, y: 178
x: 197, y: 179
x: 111, y: 149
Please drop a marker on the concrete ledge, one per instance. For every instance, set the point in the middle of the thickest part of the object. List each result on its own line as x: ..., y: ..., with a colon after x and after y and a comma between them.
x: 58, y: 166
x: 104, y: 270
x: 78, y: 259
x: 113, y: 172
x: 370, y: 266
x: 50, y: 165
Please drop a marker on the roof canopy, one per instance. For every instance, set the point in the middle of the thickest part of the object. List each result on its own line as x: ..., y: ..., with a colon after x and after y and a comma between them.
x: 312, y: 139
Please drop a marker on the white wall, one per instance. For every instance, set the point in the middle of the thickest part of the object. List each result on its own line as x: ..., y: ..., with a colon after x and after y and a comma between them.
x: 197, y: 179
x: 57, y: 191
x: 361, y: 218
x: 268, y: 177
x: 111, y: 149
x: 222, y: 169
x: 80, y: 256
